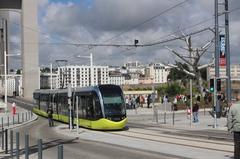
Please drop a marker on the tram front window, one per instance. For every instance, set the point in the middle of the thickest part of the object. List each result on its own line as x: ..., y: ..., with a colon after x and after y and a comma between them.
x: 113, y: 103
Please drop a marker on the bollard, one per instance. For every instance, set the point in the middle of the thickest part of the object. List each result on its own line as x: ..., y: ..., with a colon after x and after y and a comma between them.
x: 6, y: 141
x: 17, y: 145
x: 11, y: 143
x: 2, y: 122
x: 8, y: 121
x: 2, y: 138
x: 173, y: 117
x: 18, y: 118
x: 26, y: 146
x: 60, y: 151
x: 39, y: 148
x: 22, y: 117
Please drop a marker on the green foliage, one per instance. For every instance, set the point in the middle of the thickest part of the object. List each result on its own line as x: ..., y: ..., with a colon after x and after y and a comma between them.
x: 46, y: 69
x: 170, y: 90
x: 18, y: 72
x: 176, y: 74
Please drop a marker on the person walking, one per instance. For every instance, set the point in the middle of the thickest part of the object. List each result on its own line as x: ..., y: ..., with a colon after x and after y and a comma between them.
x: 50, y: 116
x: 195, y: 112
x: 233, y: 124
x: 175, y: 104
x: 148, y: 101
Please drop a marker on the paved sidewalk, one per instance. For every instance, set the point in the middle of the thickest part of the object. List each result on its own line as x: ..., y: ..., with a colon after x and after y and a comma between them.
x: 22, y: 116
x: 161, y: 144
x: 181, y: 119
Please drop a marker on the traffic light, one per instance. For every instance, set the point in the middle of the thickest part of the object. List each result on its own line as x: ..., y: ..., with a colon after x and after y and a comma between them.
x: 218, y: 84
x: 211, y: 85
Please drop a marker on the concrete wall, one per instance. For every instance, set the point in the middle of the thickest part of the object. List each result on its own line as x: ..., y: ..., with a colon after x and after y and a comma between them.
x: 31, y: 72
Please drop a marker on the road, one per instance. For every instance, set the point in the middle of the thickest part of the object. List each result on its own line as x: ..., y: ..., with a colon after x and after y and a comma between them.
x: 75, y: 148
x: 144, y: 139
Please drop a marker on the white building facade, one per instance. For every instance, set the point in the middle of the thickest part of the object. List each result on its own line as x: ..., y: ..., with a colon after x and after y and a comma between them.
x: 46, y: 80
x: 159, y: 72
x: 14, y: 86
x: 235, y: 72
x: 80, y: 76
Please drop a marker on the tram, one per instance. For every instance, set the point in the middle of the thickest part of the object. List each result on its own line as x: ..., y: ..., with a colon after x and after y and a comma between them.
x: 100, y: 107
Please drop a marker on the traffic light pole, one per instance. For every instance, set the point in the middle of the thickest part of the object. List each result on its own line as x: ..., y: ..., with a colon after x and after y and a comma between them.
x: 217, y: 51
x: 215, y: 102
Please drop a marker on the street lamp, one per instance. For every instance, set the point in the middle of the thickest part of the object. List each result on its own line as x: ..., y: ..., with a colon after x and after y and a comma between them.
x: 91, y: 66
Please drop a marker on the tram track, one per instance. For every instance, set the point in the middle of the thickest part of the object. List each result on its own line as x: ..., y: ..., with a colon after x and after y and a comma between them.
x: 141, y: 134
x: 202, y: 134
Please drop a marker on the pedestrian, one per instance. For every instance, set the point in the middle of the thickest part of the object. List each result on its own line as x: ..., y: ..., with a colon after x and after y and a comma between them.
x: 13, y: 108
x: 195, y: 112
x: 141, y: 101
x: 132, y: 103
x: 233, y: 123
x: 50, y: 116
x: 137, y: 101
x: 148, y: 101
x: 175, y: 104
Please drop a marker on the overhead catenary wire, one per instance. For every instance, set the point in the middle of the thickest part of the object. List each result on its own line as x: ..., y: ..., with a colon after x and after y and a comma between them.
x: 140, y: 24
x: 115, y: 45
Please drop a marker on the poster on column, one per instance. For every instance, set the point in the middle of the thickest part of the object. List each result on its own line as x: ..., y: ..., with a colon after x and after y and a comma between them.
x: 222, y: 59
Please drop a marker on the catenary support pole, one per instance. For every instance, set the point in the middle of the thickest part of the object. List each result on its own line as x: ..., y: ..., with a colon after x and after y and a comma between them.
x: 227, y: 50
x: 70, y: 105
x: 77, y: 99
x: 217, y: 52
x: 191, y: 103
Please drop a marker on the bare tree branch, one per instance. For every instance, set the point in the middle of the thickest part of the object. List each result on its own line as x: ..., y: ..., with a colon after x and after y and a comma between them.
x: 178, y: 55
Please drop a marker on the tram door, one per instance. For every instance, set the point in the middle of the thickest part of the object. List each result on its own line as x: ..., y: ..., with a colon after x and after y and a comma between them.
x: 84, y: 110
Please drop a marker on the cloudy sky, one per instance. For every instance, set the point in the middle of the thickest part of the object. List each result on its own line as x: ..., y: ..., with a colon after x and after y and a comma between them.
x: 63, y: 23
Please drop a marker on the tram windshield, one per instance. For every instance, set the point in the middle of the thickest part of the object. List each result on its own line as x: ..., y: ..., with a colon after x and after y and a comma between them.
x: 113, y: 101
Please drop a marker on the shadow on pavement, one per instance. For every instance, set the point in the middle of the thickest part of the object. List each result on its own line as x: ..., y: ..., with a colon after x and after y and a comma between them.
x: 34, y: 149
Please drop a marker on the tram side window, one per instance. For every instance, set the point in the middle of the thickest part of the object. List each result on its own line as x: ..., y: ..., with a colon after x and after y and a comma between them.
x: 97, y: 107
x: 82, y: 107
x: 55, y: 100
x: 53, y: 103
x: 63, y: 105
x: 89, y: 108
x: 44, y: 101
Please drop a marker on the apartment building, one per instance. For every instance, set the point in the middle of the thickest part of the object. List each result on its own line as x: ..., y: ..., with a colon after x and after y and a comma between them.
x: 80, y: 76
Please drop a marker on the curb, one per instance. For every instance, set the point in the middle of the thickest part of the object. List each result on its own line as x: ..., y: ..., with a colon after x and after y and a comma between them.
x: 35, y: 117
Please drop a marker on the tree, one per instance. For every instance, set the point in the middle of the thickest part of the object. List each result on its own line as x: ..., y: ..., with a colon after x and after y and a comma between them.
x: 170, y: 90
x: 45, y: 69
x: 176, y: 74
x: 19, y: 72
x: 192, y: 59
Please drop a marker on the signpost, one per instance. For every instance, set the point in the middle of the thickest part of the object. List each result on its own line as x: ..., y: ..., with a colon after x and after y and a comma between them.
x: 222, y: 59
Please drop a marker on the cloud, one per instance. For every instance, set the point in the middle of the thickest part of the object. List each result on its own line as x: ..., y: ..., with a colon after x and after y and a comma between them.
x: 120, y: 22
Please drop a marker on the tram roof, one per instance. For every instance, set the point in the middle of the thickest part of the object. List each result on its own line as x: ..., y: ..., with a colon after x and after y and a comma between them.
x: 65, y: 90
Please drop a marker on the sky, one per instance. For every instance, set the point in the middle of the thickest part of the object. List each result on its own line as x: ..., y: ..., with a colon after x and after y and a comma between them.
x: 65, y: 23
